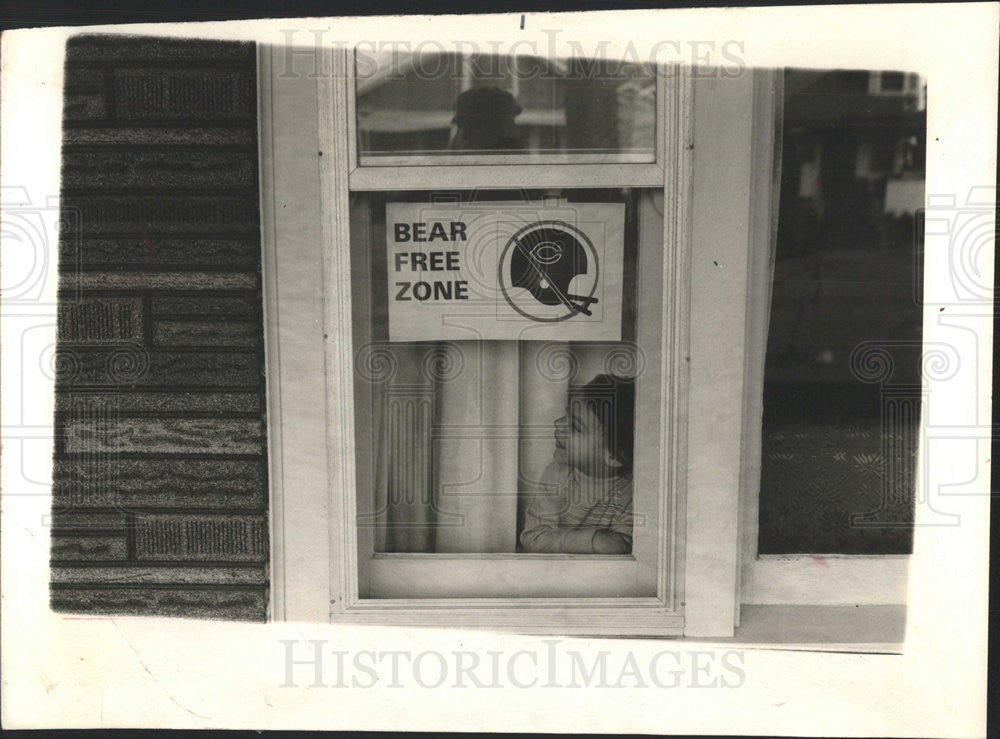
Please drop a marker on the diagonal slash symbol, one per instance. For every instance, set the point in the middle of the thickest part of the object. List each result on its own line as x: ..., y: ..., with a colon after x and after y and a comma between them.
x: 564, y: 299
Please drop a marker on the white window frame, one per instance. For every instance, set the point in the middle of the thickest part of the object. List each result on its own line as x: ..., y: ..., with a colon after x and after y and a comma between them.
x: 911, y: 85
x: 614, y: 169
x: 714, y: 232
x: 817, y: 579
x: 657, y: 614
x: 403, y: 576
x: 314, y: 558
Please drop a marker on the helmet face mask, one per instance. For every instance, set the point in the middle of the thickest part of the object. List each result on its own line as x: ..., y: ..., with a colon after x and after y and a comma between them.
x: 545, y: 261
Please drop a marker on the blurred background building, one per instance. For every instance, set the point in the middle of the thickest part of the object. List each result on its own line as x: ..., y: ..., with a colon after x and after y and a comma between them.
x: 839, y: 450
x: 407, y: 103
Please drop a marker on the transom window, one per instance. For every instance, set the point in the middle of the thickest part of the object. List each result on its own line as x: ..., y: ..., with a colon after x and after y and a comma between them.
x: 427, y: 107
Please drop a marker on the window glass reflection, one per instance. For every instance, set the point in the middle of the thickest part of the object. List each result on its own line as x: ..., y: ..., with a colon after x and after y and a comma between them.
x: 461, y: 104
x: 839, y: 440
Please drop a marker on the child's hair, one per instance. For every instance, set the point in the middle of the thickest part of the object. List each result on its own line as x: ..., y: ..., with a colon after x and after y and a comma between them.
x: 612, y: 400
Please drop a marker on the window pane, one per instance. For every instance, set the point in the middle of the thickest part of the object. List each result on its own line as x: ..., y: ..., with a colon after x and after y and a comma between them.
x: 892, y: 81
x: 839, y: 441
x: 460, y: 104
x: 472, y: 445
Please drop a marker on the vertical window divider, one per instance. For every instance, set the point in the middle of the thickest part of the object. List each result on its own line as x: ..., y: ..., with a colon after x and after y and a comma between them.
x: 674, y: 156
x: 334, y: 132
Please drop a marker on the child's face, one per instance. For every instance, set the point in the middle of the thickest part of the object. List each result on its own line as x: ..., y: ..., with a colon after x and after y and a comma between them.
x: 581, y: 442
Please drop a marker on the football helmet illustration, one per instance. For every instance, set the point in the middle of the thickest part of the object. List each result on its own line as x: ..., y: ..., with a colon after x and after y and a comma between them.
x: 545, y: 260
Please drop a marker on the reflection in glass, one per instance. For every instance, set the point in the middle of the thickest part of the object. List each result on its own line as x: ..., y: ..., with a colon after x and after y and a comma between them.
x: 839, y: 440
x: 447, y: 103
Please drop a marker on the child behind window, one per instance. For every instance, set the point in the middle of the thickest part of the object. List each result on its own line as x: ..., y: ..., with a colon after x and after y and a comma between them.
x: 585, y: 506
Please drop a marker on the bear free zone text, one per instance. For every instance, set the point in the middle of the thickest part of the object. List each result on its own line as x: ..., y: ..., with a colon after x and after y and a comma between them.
x: 430, y: 261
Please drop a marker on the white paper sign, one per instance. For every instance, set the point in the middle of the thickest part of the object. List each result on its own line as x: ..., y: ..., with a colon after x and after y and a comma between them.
x: 514, y: 270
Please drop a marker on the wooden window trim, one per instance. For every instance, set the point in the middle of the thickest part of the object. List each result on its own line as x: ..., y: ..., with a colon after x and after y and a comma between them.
x: 640, y: 615
x: 308, y: 442
x: 308, y: 500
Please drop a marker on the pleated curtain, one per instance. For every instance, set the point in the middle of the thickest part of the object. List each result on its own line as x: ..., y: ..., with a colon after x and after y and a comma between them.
x: 462, y: 434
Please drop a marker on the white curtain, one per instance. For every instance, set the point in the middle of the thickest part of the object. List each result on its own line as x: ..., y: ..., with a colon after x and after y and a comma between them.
x: 462, y: 433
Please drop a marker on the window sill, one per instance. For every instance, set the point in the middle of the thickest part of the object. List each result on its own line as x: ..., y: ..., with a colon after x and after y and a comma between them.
x: 873, y: 629
x: 500, y: 556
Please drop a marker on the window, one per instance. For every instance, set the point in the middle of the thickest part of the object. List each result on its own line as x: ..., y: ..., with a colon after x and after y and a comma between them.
x: 397, y: 501
x: 453, y: 386
x: 839, y: 438
x: 461, y: 388
x: 423, y: 107
x: 455, y: 435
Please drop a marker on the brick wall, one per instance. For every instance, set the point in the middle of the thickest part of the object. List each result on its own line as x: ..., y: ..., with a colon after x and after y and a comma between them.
x: 160, y: 476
